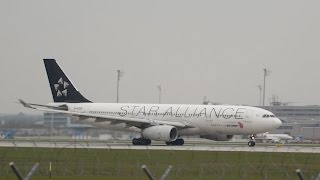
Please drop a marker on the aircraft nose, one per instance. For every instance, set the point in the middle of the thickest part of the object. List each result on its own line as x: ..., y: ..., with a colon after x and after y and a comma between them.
x: 277, y: 122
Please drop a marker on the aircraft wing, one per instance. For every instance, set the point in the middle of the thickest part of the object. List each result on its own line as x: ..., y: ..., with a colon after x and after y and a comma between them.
x: 137, y: 122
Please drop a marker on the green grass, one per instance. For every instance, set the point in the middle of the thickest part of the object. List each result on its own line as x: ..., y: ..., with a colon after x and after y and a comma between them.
x: 126, y: 164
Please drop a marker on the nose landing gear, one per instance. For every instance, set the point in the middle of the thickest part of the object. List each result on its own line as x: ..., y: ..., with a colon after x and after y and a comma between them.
x: 252, y: 141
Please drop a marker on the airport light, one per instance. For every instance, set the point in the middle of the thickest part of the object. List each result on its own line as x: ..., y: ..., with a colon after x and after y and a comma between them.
x: 120, y: 74
x: 159, y: 88
x: 260, y: 90
x: 266, y: 72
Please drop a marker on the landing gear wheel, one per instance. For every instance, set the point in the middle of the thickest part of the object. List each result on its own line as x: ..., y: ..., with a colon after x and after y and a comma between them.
x: 251, y: 143
x: 141, y: 141
x: 177, y: 142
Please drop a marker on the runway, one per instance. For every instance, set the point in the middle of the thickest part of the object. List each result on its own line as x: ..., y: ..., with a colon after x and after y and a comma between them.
x: 189, y: 146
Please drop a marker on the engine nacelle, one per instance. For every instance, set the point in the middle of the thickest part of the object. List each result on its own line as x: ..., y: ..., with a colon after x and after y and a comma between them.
x: 160, y: 133
x: 218, y: 137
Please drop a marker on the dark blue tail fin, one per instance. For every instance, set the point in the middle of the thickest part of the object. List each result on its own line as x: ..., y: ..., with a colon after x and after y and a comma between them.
x: 61, y: 87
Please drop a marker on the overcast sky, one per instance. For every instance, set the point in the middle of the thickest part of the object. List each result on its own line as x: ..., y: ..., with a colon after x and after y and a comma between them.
x: 192, y: 48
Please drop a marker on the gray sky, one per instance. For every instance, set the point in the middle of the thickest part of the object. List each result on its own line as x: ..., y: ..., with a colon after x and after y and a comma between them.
x: 192, y: 48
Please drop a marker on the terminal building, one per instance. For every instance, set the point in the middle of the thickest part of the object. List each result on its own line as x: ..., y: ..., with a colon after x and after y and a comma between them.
x: 55, y: 120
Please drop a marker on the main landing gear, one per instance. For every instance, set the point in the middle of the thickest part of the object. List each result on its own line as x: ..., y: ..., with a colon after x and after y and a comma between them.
x: 252, y: 142
x: 141, y: 141
x: 146, y: 142
x: 177, y: 142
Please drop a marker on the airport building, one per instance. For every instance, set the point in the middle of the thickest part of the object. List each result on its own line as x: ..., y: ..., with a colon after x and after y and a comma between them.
x: 55, y: 120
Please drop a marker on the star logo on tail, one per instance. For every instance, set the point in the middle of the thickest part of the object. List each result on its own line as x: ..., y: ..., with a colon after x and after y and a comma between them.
x: 61, y: 88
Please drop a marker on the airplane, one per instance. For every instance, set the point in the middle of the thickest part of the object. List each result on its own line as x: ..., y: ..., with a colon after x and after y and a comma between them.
x: 275, y: 138
x: 157, y: 122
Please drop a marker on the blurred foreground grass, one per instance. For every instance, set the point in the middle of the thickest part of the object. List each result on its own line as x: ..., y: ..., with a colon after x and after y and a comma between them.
x: 126, y: 164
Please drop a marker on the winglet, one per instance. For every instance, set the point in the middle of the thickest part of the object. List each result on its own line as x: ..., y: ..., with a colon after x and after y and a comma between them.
x: 25, y: 104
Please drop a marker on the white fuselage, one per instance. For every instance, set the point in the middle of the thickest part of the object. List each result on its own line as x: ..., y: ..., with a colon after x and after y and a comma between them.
x: 204, y: 119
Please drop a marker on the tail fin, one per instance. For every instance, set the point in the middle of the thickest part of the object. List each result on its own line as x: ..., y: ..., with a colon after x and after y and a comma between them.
x: 61, y: 87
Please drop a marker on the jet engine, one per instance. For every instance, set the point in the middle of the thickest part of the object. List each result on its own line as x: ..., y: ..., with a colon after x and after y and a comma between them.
x: 160, y: 133
x: 218, y: 137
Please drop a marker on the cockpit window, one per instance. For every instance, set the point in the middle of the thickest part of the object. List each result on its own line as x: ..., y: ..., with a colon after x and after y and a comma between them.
x: 267, y: 116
